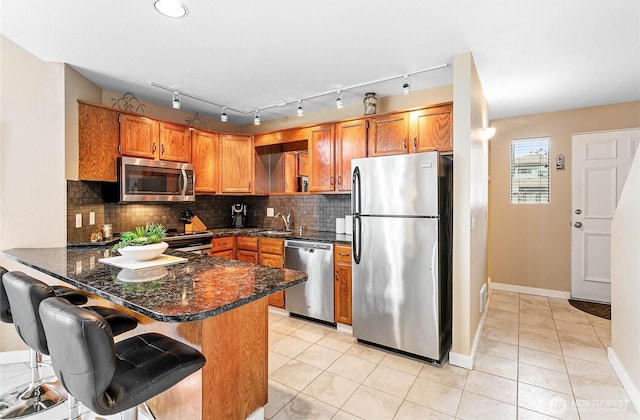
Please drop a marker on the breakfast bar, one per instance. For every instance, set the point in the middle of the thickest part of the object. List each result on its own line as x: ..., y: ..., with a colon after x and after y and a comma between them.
x: 216, y: 305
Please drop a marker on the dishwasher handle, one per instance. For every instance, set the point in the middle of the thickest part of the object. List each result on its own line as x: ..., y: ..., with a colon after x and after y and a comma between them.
x: 308, y: 246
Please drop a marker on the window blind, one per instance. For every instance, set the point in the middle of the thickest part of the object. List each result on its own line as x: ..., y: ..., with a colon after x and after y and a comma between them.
x: 530, y: 182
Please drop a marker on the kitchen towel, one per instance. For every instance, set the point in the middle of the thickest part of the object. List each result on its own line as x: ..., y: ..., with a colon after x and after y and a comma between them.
x: 340, y: 225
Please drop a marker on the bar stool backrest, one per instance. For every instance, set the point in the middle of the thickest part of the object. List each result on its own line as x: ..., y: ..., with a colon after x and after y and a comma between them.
x: 5, y: 309
x: 25, y: 295
x: 82, y: 351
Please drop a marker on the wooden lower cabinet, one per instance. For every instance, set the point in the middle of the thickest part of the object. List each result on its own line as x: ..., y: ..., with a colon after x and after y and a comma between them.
x: 223, y: 247
x: 342, y: 285
x: 247, y: 249
x: 271, y: 254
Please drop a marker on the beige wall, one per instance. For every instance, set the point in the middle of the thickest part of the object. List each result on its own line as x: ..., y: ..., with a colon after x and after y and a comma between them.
x: 470, y: 206
x: 32, y: 159
x: 625, y: 287
x: 543, y: 259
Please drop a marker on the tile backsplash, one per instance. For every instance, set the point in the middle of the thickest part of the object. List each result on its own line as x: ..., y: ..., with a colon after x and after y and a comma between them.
x: 313, y: 212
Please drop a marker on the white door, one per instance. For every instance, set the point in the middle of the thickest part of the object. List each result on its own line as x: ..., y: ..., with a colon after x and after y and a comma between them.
x: 600, y: 164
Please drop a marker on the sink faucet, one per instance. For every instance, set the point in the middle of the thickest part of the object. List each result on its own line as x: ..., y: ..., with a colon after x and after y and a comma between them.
x: 286, y: 220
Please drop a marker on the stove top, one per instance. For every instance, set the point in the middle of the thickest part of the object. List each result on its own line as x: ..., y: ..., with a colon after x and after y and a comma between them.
x: 181, y: 236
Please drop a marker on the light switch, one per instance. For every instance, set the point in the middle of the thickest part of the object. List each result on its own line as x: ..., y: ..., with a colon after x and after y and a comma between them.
x: 270, y: 212
x: 78, y: 220
x: 92, y: 217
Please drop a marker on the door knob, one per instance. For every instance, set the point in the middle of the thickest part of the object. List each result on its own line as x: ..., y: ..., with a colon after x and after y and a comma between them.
x: 577, y: 224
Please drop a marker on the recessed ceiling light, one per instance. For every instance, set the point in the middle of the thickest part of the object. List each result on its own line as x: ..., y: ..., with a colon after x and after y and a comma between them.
x: 171, y: 8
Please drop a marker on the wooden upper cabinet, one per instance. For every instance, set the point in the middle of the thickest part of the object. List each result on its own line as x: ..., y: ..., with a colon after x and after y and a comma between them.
x: 175, y: 143
x: 205, y: 156
x: 236, y: 158
x: 322, y: 158
x: 351, y: 143
x: 290, y: 172
x: 389, y: 135
x: 98, y: 140
x: 432, y: 129
x: 303, y: 164
x: 139, y: 136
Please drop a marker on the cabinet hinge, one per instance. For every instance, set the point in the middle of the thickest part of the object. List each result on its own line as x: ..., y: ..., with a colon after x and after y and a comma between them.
x: 119, y: 148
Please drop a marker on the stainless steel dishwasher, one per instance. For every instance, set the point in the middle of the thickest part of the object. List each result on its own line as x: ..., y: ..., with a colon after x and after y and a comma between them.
x: 313, y: 298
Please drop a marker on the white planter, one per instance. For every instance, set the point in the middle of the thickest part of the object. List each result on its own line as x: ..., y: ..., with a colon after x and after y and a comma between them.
x: 143, y: 252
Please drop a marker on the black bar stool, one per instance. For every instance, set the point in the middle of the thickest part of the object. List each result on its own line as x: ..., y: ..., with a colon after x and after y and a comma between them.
x: 24, y: 295
x: 110, y: 377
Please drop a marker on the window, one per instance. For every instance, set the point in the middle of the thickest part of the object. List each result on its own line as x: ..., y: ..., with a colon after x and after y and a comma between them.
x: 530, y: 171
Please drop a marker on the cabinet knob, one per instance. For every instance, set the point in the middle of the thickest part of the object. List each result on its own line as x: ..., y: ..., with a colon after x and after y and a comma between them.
x: 415, y: 143
x: 404, y: 143
x: 340, y: 180
x: 153, y: 147
x: 163, y: 149
x: 331, y: 180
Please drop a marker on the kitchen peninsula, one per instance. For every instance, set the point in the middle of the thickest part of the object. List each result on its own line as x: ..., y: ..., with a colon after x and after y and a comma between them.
x: 215, y: 305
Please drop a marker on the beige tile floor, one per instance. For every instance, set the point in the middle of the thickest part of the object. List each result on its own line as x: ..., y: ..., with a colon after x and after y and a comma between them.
x: 538, y: 358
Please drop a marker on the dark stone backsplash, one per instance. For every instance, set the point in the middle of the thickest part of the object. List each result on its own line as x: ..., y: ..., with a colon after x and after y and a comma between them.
x: 313, y: 212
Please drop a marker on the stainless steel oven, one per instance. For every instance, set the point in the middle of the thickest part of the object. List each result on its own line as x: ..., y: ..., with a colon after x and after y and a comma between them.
x: 195, y: 242
x: 155, y: 180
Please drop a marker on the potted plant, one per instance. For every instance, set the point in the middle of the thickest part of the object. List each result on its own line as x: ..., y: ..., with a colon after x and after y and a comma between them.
x: 145, y: 243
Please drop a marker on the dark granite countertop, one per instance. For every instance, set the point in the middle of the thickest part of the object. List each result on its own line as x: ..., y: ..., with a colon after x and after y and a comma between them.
x: 200, y: 288
x: 309, y: 235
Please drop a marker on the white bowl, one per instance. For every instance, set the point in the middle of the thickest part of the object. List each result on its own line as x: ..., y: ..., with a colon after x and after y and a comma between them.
x: 143, y: 252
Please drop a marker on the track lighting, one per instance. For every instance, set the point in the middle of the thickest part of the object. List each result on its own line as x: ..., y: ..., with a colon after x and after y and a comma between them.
x: 176, y: 100
x: 171, y: 8
x: 406, y: 88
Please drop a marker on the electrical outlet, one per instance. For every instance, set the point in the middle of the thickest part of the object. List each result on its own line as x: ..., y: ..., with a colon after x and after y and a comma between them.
x: 270, y: 212
x: 78, y: 220
x: 92, y: 217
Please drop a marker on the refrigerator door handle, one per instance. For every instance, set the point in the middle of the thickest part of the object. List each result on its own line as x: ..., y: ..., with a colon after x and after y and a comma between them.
x: 355, y: 209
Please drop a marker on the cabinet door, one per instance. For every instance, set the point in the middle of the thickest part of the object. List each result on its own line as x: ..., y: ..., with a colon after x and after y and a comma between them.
x: 138, y: 137
x: 222, y: 244
x: 98, y: 140
x: 432, y: 129
x: 342, y: 285
x: 290, y: 172
x: 351, y: 143
x: 247, y: 256
x: 322, y: 159
x: 223, y: 254
x: 175, y: 143
x: 389, y: 135
x: 303, y: 164
x: 271, y: 246
x: 247, y: 243
x: 205, y: 156
x: 236, y: 163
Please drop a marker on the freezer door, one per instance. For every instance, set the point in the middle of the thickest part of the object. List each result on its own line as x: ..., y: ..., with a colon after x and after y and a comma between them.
x: 395, y: 289
x: 403, y: 185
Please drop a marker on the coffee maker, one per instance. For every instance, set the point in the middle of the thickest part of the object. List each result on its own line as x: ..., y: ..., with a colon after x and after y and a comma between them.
x: 238, y: 215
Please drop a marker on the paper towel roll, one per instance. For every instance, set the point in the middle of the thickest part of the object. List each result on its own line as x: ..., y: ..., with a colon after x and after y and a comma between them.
x: 348, y: 224
x: 340, y: 225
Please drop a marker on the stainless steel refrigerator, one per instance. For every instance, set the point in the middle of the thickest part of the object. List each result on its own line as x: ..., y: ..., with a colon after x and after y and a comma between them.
x: 402, y: 221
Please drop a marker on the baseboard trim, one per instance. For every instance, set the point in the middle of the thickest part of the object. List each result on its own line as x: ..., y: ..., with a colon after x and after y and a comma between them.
x: 348, y: 329
x: 16, y: 356
x: 624, y: 377
x: 467, y: 360
x: 278, y: 311
x: 530, y: 290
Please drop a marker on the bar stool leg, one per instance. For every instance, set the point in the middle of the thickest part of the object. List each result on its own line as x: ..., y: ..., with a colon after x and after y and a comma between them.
x: 35, y: 397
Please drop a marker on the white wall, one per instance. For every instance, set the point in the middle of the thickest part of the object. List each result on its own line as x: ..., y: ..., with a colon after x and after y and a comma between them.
x: 32, y: 158
x: 470, y: 204
x: 625, y: 285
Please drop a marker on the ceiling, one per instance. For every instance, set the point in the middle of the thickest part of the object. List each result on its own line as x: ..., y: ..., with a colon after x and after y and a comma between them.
x: 532, y: 57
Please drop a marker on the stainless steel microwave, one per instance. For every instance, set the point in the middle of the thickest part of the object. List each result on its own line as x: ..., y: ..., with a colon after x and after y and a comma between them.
x: 155, y: 180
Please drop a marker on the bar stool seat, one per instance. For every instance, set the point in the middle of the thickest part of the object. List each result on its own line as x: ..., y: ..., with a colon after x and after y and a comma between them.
x: 109, y: 377
x: 24, y: 295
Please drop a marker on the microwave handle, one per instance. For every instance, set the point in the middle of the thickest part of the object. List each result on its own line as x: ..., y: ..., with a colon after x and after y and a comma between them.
x: 184, y: 182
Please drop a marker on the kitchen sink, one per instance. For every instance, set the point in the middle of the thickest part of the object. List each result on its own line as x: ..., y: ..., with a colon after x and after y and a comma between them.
x: 276, y: 232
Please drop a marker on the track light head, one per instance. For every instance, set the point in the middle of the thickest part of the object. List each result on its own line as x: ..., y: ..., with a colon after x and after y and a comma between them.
x: 406, y: 88
x: 223, y: 115
x: 339, y: 100
x: 176, y: 100
x: 300, y: 109
x: 256, y: 118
